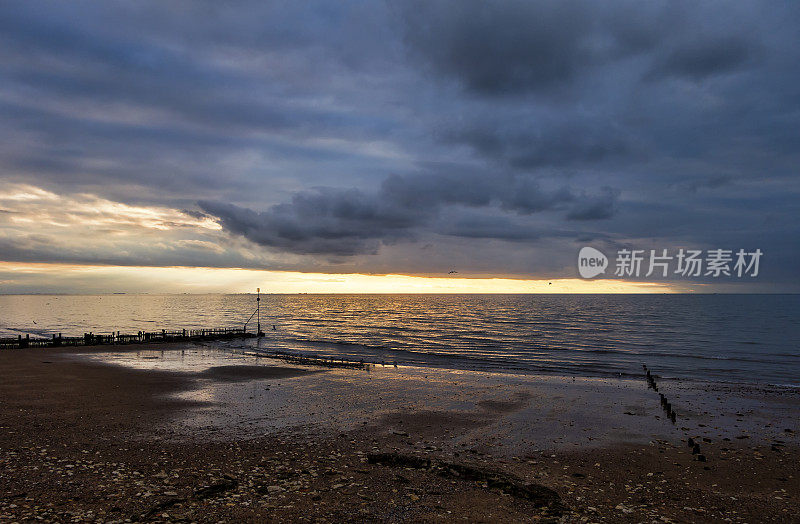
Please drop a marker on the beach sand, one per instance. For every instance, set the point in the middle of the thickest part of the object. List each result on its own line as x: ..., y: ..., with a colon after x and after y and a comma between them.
x: 192, y: 433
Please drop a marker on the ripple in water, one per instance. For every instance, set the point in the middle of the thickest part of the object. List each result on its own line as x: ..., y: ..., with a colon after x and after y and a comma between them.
x: 739, y: 338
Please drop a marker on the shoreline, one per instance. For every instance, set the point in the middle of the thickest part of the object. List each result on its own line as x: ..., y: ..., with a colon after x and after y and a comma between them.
x: 275, y: 433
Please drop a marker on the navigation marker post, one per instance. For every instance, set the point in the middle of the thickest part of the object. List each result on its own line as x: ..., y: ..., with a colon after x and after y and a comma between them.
x: 258, y: 311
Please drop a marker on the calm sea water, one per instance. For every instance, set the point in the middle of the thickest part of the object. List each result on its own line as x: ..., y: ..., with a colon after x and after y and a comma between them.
x: 737, y: 338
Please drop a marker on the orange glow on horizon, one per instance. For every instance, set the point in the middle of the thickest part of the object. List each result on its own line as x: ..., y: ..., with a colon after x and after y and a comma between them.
x: 134, y: 279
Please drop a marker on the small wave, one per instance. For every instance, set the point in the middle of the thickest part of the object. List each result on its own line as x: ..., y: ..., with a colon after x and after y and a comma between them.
x: 596, y: 335
x: 332, y: 342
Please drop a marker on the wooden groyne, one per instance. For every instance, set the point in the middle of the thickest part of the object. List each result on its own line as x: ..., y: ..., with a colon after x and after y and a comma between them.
x: 311, y: 360
x: 91, y: 339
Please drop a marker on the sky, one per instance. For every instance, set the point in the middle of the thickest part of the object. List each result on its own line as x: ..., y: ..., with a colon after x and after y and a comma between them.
x: 349, y: 146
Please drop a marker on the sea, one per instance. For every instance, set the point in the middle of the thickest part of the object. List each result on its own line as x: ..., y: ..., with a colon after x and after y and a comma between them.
x: 725, y: 338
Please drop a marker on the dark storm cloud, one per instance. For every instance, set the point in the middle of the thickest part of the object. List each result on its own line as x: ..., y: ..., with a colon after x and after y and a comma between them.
x: 564, y: 78
x: 350, y: 222
x: 160, y: 95
x: 595, y: 207
x: 500, y: 48
x: 333, y: 223
x: 517, y: 122
x: 514, y: 47
x: 499, y: 228
x: 704, y: 58
x: 561, y: 144
x: 427, y: 192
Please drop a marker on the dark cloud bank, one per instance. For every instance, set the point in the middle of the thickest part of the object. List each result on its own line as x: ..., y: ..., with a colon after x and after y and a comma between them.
x: 351, y: 222
x: 335, y: 131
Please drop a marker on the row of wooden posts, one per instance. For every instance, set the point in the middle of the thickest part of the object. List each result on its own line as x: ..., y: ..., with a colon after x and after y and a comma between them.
x: 91, y: 339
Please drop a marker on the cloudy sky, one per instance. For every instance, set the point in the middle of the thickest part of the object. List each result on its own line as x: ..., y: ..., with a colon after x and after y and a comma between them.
x: 309, y: 142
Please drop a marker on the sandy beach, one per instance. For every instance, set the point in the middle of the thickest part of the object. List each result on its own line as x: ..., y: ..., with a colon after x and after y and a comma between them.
x: 192, y: 433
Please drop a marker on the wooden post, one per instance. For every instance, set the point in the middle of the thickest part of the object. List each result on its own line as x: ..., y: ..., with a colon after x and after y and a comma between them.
x: 258, y: 311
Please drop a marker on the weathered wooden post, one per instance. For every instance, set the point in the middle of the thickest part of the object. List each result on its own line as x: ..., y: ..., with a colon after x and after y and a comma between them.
x: 258, y: 310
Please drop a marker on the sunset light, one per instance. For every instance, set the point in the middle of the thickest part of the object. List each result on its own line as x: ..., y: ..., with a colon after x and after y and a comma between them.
x: 93, y: 278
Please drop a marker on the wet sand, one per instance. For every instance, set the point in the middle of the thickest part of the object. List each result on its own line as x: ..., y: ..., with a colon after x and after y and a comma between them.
x: 188, y: 433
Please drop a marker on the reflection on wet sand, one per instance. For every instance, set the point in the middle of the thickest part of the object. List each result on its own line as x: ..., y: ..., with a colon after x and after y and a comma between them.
x: 196, y: 434
x: 243, y: 395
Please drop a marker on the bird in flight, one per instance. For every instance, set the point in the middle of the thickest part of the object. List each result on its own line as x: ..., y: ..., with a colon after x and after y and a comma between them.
x: 451, y: 272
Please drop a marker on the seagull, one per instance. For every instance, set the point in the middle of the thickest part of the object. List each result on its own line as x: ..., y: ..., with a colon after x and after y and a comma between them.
x: 451, y: 272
